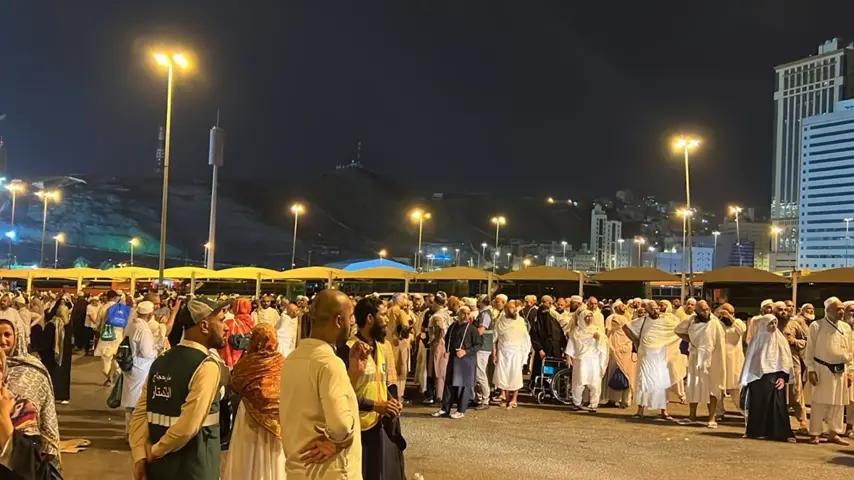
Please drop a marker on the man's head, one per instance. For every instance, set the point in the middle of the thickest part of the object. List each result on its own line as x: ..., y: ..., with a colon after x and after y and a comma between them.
x: 418, y: 301
x: 833, y: 309
x: 781, y: 312
x: 500, y: 301
x: 203, y: 322
x: 592, y: 303
x: 676, y: 302
x: 399, y: 299
x: 575, y: 303
x: 5, y: 301
x: 371, y: 324
x: 727, y: 310
x: 587, y: 317
x: 454, y: 303
x: 766, y: 307
x: 112, y: 296
x: 790, y: 306
x: 292, y: 310
x: 145, y: 309
x: 511, y: 309
x: 808, y: 311
x: 465, y: 314
x: 547, y: 301
x: 849, y: 311
x: 20, y: 302
x: 330, y: 314
x: 483, y: 301
x: 154, y: 298
x: 651, y: 307
x: 440, y: 300
x: 530, y: 300
x: 265, y: 301
x: 690, y: 306
x: 619, y: 307
x: 703, y: 310
x: 561, y: 304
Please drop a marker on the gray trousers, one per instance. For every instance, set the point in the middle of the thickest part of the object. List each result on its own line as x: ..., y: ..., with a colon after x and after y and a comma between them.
x: 482, y: 386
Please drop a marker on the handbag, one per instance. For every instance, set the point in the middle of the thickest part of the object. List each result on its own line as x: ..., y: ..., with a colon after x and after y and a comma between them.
x: 115, y: 398
x: 618, y: 380
x: 743, y: 398
x: 108, y: 334
x: 124, y: 357
x: 239, y: 341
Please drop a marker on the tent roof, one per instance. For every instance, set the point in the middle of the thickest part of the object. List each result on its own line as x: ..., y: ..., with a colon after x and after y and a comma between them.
x: 188, y: 272
x: 739, y: 275
x: 544, y: 273
x: 379, y: 273
x: 310, y: 273
x: 135, y: 272
x: 635, y: 274
x: 833, y: 275
x: 376, y: 263
x: 246, y: 273
x: 457, y: 273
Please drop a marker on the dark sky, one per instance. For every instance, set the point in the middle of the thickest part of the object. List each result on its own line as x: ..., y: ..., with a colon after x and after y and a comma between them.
x: 564, y: 98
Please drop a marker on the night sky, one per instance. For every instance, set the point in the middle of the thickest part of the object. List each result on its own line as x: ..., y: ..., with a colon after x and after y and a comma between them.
x: 530, y: 98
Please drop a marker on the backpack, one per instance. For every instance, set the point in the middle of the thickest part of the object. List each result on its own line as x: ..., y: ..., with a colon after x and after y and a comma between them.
x: 124, y: 357
x: 108, y: 334
x: 118, y: 315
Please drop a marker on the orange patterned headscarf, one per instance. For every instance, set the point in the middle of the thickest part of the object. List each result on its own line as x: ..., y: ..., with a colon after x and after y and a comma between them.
x: 256, y: 378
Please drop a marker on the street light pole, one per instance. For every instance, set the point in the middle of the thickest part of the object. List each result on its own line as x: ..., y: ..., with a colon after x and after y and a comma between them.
x: 132, y: 242
x: 685, y: 213
x: 458, y: 256
x: 565, y: 262
x: 715, y: 234
x: 620, y: 242
x: 59, y: 238
x: 419, y: 215
x: 45, y: 197
x: 687, y: 144
x: 482, y: 253
x: 847, y: 238
x: 640, y: 241
x: 736, y: 210
x: 498, y: 221
x: 296, y: 209
x: 13, y: 187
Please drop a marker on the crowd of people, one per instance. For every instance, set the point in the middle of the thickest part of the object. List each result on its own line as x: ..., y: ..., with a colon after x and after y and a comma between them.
x: 315, y: 388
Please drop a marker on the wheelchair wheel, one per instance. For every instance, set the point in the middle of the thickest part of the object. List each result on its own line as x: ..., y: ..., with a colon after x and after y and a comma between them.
x: 562, y: 386
x: 540, y: 397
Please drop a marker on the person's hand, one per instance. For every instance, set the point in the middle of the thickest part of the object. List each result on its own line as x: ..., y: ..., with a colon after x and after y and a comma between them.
x: 139, y: 470
x: 813, y: 378
x: 461, y: 353
x: 568, y: 361
x: 596, y: 335
x: 176, y: 306
x: 359, y: 357
x: 389, y: 408
x: 446, y: 355
x: 780, y: 384
x: 319, y: 450
x: 850, y: 380
x: 7, y: 403
x: 542, y: 354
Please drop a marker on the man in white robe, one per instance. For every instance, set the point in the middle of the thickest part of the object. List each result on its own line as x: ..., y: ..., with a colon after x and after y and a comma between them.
x: 829, y: 370
x: 286, y: 330
x: 686, y: 311
x: 265, y: 313
x: 733, y: 337
x: 510, y: 351
x: 587, y: 354
x: 706, y: 361
x: 658, y: 362
x: 765, y: 308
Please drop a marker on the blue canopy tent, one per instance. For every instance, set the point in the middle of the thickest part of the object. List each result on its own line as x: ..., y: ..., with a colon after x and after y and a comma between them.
x: 375, y: 263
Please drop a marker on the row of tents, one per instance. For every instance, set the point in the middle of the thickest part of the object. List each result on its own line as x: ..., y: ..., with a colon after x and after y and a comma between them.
x: 728, y: 275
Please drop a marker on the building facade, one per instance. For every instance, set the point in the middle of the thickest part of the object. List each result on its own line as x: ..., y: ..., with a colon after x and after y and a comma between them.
x: 827, y: 189
x: 604, y: 236
x: 803, y: 88
x: 671, y: 260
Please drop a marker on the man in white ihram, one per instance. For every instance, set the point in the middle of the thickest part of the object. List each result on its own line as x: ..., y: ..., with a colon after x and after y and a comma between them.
x: 587, y: 354
x: 829, y: 370
x: 706, y: 361
x: 658, y: 358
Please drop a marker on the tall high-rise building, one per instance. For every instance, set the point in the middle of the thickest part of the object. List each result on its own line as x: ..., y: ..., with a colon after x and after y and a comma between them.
x: 803, y: 88
x: 827, y: 190
x: 604, y: 234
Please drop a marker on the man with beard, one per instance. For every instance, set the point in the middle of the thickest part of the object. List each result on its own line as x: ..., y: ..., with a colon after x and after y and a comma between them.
x: 829, y: 370
x: 265, y: 312
x: 733, y: 336
x: 400, y: 330
x: 509, y: 351
x: 462, y: 343
x: 686, y: 311
x: 767, y: 368
x: 528, y: 311
x: 806, y: 316
x: 676, y: 303
x: 790, y: 308
x: 439, y: 322
x: 547, y: 337
x: 379, y: 409
x: 317, y: 403
x: 175, y: 426
x: 796, y: 335
x: 658, y: 352
x: 423, y: 367
x: 706, y: 361
x: 485, y: 324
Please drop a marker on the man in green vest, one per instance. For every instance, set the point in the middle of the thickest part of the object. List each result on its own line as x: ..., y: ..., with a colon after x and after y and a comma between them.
x: 175, y: 426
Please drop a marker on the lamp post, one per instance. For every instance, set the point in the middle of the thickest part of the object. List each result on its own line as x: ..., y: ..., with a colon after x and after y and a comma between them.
x: 526, y: 263
x: 686, y: 144
x: 296, y: 209
x: 509, y: 254
x: 564, y: 244
x: 684, y: 213
x: 847, y: 238
x: 382, y: 254
x: 639, y: 241
x: 45, y: 196
x: 57, y: 239
x: 207, y: 247
x: 735, y: 210
x: 498, y: 221
x: 457, y: 250
x: 445, y: 255
x: 715, y: 234
x: 14, y: 188
x: 482, y: 253
x: 419, y: 216
x: 168, y: 61
x: 133, y: 243
x: 620, y: 242
x: 654, y: 257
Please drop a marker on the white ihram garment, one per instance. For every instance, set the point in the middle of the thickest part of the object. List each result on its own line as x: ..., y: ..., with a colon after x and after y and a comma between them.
x: 254, y: 452
x: 286, y: 332
x: 265, y: 315
x: 658, y: 361
x: 589, y: 360
x: 830, y: 343
x: 706, y: 359
x: 513, y: 344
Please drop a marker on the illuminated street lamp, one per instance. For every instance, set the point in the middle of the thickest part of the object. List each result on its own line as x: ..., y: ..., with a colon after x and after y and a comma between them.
x: 133, y: 243
x: 620, y: 242
x: 526, y: 262
x: 654, y: 257
x: 419, y: 216
x: 686, y: 144
x: 498, y: 221
x: 382, y: 254
x: 57, y: 239
x: 735, y: 210
x: 46, y: 196
x: 169, y: 61
x: 509, y: 266
x: 847, y: 238
x: 715, y: 234
x: 639, y: 241
x: 207, y: 246
x: 457, y: 250
x: 550, y: 200
x: 482, y: 254
x: 564, y: 244
x: 15, y: 187
x: 685, y: 214
x: 776, y: 231
x: 296, y: 209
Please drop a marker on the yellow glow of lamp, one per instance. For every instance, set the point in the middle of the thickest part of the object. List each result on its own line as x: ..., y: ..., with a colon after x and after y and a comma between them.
x: 689, y: 143
x: 60, y: 237
x: 499, y: 220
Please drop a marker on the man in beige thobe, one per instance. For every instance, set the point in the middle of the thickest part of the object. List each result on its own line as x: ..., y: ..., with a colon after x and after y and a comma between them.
x: 829, y: 369
x: 400, y: 331
x: 733, y: 336
x: 706, y: 361
x: 796, y: 335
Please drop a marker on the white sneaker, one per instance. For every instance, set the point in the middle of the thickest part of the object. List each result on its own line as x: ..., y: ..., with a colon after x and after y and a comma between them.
x: 457, y: 415
x: 440, y: 413
x: 64, y: 402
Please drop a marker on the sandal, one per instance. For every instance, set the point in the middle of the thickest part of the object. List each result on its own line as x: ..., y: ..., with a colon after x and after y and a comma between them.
x: 839, y: 441
x: 712, y: 425
x: 814, y: 441
x: 512, y: 405
x: 637, y: 417
x: 791, y: 440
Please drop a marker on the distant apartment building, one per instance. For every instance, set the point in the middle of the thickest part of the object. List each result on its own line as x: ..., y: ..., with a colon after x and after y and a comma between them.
x: 604, y: 237
x: 827, y: 189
